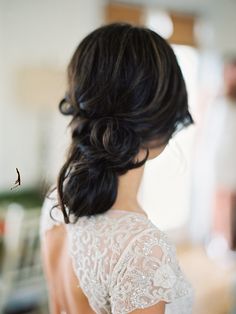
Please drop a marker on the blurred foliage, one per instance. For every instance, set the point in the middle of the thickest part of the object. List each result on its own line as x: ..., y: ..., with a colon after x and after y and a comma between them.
x: 30, y: 198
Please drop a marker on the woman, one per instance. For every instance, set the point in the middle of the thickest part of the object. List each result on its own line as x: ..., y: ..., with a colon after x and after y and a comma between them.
x: 102, y: 254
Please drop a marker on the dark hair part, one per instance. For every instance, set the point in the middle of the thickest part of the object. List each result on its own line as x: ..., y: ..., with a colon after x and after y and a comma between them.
x: 125, y: 91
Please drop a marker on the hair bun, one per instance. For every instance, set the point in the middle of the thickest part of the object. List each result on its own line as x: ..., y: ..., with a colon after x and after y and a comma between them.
x: 115, y: 141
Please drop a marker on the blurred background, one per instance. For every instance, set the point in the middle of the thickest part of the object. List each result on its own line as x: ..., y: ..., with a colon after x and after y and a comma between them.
x: 188, y: 191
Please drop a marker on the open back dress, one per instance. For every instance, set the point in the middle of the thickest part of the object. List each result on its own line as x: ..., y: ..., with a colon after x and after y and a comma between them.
x: 121, y: 261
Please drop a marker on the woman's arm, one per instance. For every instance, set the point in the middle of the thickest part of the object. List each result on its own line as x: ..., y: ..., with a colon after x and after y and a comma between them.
x: 54, y: 307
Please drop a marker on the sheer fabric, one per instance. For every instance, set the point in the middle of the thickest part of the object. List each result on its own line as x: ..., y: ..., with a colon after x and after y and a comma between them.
x: 123, y: 262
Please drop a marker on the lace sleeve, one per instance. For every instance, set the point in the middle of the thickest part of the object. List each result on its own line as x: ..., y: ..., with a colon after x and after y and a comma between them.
x: 147, y: 273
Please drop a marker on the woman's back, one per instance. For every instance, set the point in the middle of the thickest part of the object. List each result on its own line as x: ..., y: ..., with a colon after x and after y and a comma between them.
x: 113, y: 262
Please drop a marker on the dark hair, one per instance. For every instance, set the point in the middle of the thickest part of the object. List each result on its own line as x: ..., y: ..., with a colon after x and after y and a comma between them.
x: 125, y: 92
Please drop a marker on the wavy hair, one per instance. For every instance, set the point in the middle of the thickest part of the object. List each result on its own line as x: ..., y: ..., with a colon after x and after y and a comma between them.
x: 125, y: 92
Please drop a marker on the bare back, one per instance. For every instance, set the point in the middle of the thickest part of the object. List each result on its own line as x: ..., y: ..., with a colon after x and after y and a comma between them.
x: 64, y: 291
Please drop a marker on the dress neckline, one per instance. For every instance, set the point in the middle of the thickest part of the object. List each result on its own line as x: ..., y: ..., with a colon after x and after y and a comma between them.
x: 127, y: 211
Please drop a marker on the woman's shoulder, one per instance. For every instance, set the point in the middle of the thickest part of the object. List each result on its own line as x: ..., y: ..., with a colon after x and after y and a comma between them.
x: 132, y: 226
x: 150, y: 271
x: 151, y: 241
x: 142, y: 230
x: 120, y: 224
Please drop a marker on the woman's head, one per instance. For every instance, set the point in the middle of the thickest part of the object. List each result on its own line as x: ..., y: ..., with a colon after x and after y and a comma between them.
x: 125, y: 93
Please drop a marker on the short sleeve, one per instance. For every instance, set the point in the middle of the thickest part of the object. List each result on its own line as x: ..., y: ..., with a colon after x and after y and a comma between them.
x: 147, y: 273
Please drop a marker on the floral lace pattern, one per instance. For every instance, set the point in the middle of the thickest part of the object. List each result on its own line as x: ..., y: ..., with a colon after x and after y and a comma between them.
x: 124, y: 262
x: 150, y: 273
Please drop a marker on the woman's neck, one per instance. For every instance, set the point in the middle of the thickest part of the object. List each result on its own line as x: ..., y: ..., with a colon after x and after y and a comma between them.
x: 128, y: 187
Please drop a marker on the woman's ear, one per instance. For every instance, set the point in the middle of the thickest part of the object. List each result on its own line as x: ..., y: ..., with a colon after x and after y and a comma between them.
x: 153, y: 152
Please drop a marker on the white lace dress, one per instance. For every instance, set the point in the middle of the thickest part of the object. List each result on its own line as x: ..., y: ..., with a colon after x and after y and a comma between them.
x: 123, y: 262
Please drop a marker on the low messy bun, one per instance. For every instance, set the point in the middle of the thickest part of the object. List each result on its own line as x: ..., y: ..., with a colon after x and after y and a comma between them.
x: 101, y: 150
x: 125, y: 91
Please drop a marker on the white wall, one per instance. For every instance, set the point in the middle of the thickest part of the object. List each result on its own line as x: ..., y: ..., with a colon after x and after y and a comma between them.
x: 222, y: 18
x: 35, y: 34
x: 218, y: 17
